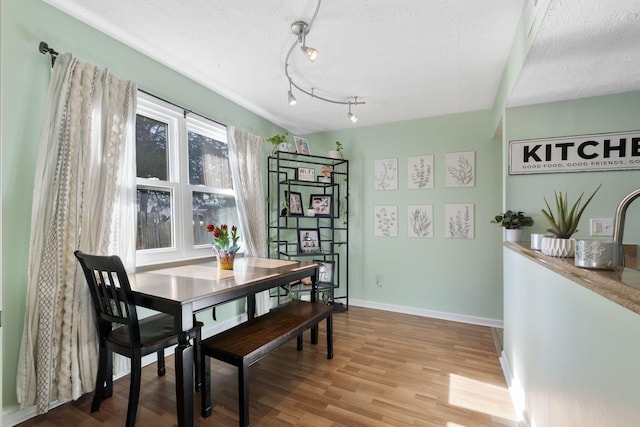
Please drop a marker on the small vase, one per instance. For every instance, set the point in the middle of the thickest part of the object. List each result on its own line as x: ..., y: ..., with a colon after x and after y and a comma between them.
x: 513, y: 235
x: 335, y: 154
x: 225, y: 260
x: 562, y: 248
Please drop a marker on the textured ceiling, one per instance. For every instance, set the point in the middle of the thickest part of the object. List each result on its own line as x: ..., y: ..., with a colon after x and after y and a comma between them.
x: 584, y: 48
x: 406, y: 60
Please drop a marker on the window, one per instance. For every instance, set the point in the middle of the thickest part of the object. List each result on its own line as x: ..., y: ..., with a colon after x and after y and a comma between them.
x: 183, y: 182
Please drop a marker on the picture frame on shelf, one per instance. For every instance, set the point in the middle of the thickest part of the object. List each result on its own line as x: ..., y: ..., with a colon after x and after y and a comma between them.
x: 309, y: 240
x: 306, y: 174
x: 302, y: 145
x: 294, y: 202
x: 322, y: 203
x: 325, y: 271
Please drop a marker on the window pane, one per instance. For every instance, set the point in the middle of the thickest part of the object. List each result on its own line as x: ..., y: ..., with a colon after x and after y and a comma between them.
x: 208, y: 162
x: 209, y: 208
x: 151, y: 148
x: 154, y: 219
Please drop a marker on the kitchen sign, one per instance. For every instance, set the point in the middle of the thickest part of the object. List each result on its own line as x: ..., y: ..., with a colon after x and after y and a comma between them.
x: 599, y: 152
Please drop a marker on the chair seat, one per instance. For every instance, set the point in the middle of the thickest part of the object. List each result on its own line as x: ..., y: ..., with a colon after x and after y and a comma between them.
x: 153, y: 330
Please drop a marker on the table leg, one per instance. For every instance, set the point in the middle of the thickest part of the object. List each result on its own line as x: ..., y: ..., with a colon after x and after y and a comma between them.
x: 251, y: 306
x: 184, y: 380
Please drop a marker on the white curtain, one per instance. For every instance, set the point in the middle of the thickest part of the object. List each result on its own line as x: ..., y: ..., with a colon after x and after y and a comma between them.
x: 84, y: 185
x: 244, y: 159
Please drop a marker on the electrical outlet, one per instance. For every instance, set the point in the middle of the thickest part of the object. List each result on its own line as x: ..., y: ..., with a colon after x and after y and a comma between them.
x: 379, y: 280
x: 601, y: 226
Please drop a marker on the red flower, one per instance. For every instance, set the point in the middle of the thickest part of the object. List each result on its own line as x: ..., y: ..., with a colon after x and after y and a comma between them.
x: 222, y: 241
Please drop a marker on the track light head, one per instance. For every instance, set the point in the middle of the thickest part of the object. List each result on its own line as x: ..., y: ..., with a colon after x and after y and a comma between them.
x: 292, y: 99
x: 352, y: 116
x: 309, y: 52
x: 300, y: 29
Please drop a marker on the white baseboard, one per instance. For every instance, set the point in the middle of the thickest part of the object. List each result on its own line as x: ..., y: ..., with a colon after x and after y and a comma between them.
x: 515, y: 391
x: 454, y: 317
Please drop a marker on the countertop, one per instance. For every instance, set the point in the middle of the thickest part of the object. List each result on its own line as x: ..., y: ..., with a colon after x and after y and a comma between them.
x: 621, y: 287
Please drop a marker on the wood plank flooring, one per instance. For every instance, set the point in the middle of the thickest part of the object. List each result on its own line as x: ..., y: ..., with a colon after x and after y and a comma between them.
x: 388, y: 369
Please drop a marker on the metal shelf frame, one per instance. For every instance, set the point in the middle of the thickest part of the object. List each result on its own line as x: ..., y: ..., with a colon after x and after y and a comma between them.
x: 282, y: 228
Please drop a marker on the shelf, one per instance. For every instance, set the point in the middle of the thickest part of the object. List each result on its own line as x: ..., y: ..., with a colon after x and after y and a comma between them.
x: 333, y: 231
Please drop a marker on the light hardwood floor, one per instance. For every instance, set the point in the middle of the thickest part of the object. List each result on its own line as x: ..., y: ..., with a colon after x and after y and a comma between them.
x: 389, y: 369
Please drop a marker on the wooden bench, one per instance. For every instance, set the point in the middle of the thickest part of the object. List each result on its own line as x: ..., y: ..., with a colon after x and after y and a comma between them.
x: 248, y: 342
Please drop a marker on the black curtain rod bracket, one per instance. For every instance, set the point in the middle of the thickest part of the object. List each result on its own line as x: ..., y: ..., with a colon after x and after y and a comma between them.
x: 44, y: 49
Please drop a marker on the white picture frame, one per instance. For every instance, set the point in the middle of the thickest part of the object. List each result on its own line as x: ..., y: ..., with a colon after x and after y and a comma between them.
x: 460, y: 169
x: 459, y: 220
x: 306, y: 174
x: 302, y: 145
x: 420, y: 172
x: 386, y: 174
x: 386, y: 221
x: 420, y: 221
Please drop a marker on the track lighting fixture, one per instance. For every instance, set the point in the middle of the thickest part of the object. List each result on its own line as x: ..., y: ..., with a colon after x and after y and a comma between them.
x: 301, y: 29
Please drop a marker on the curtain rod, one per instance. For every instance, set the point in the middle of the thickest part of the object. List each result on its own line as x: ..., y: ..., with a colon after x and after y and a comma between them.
x: 44, y: 49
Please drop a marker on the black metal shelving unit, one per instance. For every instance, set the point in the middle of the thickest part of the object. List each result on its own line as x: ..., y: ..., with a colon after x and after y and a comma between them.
x: 333, y: 228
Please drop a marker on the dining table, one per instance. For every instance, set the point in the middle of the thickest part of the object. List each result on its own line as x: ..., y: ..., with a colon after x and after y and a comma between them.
x: 182, y: 290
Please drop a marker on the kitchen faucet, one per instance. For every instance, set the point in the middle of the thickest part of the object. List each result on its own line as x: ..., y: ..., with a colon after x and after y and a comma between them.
x: 618, y: 223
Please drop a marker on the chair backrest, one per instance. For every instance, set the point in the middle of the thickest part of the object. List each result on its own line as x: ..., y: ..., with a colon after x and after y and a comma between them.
x: 110, y: 292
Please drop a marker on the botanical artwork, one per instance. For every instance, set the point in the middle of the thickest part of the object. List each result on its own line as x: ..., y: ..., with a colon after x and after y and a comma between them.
x: 386, y: 174
x: 386, y: 221
x: 459, y: 220
x: 420, y: 221
x: 420, y: 172
x: 461, y: 169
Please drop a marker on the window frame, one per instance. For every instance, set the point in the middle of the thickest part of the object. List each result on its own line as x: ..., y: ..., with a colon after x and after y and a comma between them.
x: 179, y: 125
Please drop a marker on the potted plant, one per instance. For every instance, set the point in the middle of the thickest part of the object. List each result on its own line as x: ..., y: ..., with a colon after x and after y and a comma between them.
x: 279, y: 143
x: 564, y: 223
x: 337, y: 153
x: 513, y: 223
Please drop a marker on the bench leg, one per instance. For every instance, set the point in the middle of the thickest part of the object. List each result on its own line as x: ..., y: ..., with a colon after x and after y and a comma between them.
x: 243, y: 393
x: 205, y: 389
x: 330, y: 337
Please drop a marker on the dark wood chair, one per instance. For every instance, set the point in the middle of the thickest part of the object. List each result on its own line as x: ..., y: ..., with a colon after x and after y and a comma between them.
x: 120, y: 331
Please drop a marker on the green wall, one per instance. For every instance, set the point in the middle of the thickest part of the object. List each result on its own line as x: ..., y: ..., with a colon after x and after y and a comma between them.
x: 438, y: 275
x: 611, y: 113
x: 25, y: 77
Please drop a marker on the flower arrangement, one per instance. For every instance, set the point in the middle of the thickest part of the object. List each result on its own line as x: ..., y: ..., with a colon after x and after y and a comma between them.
x: 223, y: 241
